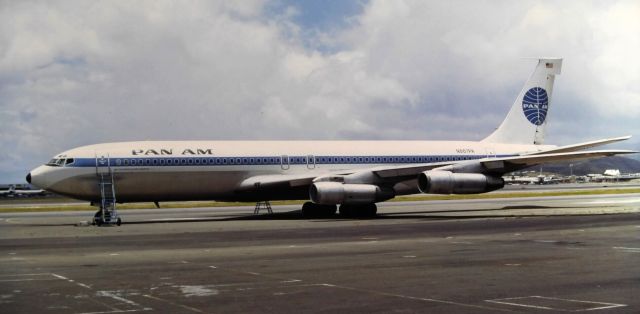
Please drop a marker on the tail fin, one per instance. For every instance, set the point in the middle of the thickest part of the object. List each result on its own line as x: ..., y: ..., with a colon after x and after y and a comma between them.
x: 526, y: 121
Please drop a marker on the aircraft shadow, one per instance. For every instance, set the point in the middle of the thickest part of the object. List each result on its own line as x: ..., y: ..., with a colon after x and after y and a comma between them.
x: 297, y: 215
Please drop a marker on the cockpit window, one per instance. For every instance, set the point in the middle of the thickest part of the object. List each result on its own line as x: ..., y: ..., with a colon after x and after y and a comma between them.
x: 59, y: 162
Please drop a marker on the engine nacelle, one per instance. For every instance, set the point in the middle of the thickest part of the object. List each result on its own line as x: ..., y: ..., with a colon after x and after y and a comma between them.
x: 445, y: 182
x: 333, y: 193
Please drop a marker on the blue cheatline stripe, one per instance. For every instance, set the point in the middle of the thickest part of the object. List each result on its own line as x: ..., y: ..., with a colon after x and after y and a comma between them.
x: 160, y: 161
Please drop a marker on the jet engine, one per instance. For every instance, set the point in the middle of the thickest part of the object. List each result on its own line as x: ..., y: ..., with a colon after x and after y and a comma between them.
x: 445, y: 182
x: 332, y: 193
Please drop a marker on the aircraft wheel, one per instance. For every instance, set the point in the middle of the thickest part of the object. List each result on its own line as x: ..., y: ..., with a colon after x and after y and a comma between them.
x: 329, y: 210
x: 118, y: 222
x: 358, y: 211
x: 371, y: 210
x: 311, y: 210
x: 347, y: 210
x: 307, y: 209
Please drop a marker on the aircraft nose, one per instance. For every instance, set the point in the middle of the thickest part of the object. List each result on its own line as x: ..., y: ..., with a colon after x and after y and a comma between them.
x: 39, y: 177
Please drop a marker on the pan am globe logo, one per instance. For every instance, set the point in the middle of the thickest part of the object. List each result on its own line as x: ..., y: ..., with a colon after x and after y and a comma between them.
x: 535, y: 105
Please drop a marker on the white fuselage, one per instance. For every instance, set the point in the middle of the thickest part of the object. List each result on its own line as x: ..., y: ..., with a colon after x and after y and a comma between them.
x: 213, y: 170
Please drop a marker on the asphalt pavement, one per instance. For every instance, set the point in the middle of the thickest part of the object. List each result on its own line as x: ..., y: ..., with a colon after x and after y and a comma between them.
x: 529, y: 255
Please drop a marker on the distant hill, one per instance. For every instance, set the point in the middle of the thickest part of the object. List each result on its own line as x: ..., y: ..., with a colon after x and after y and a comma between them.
x: 580, y: 168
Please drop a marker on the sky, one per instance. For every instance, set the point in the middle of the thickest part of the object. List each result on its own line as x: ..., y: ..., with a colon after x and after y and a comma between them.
x: 74, y: 73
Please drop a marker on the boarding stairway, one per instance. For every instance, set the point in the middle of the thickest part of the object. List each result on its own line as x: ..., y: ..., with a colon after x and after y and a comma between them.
x: 107, y: 214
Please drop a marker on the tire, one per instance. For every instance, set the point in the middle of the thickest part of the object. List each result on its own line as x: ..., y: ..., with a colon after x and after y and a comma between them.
x: 311, y: 210
x: 347, y: 211
x: 358, y: 211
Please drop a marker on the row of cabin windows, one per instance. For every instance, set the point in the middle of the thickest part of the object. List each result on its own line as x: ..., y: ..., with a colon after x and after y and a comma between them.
x: 278, y: 160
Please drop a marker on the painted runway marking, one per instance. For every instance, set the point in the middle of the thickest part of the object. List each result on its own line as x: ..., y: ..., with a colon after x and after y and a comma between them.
x: 381, y: 293
x: 71, y: 281
x: 627, y: 201
x: 177, y: 219
x: 627, y: 249
x: 412, y: 297
x: 26, y: 279
x: 108, y: 294
x: 32, y: 274
x: 290, y: 281
x: 198, y: 291
x: 521, y: 302
x: 114, y: 295
x: 193, y: 309
x: 116, y: 311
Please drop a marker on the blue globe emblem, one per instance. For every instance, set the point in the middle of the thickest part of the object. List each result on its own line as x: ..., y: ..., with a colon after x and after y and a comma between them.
x: 535, y: 105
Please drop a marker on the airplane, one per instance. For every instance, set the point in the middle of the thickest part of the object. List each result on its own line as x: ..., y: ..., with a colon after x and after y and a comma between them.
x: 12, y: 191
x: 8, y: 192
x: 353, y: 174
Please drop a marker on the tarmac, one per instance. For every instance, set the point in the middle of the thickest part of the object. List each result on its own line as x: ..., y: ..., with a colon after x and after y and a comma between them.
x: 523, y: 255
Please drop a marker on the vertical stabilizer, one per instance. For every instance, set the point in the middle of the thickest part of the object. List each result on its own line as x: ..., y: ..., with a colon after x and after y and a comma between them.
x: 526, y: 121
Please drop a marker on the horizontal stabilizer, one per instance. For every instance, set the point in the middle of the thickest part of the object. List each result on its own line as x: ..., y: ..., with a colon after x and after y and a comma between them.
x: 581, y: 146
x: 531, y: 160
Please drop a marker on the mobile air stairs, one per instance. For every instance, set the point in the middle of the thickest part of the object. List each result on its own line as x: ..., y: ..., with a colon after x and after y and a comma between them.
x: 107, y: 214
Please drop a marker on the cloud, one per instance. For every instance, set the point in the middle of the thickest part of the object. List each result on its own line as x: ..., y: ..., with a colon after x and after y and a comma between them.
x: 74, y: 73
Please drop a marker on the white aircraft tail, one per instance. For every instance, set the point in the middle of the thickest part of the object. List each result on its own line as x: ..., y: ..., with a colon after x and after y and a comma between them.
x: 526, y: 121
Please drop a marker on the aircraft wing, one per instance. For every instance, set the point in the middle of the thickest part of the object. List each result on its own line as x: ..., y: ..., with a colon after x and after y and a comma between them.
x: 405, y: 172
x: 292, y: 180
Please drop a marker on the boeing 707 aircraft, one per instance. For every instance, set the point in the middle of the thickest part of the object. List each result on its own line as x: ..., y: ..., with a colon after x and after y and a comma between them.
x: 352, y: 174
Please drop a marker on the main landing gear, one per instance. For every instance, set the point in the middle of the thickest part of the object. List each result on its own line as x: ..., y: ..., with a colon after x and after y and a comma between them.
x: 359, y: 211
x: 312, y: 210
